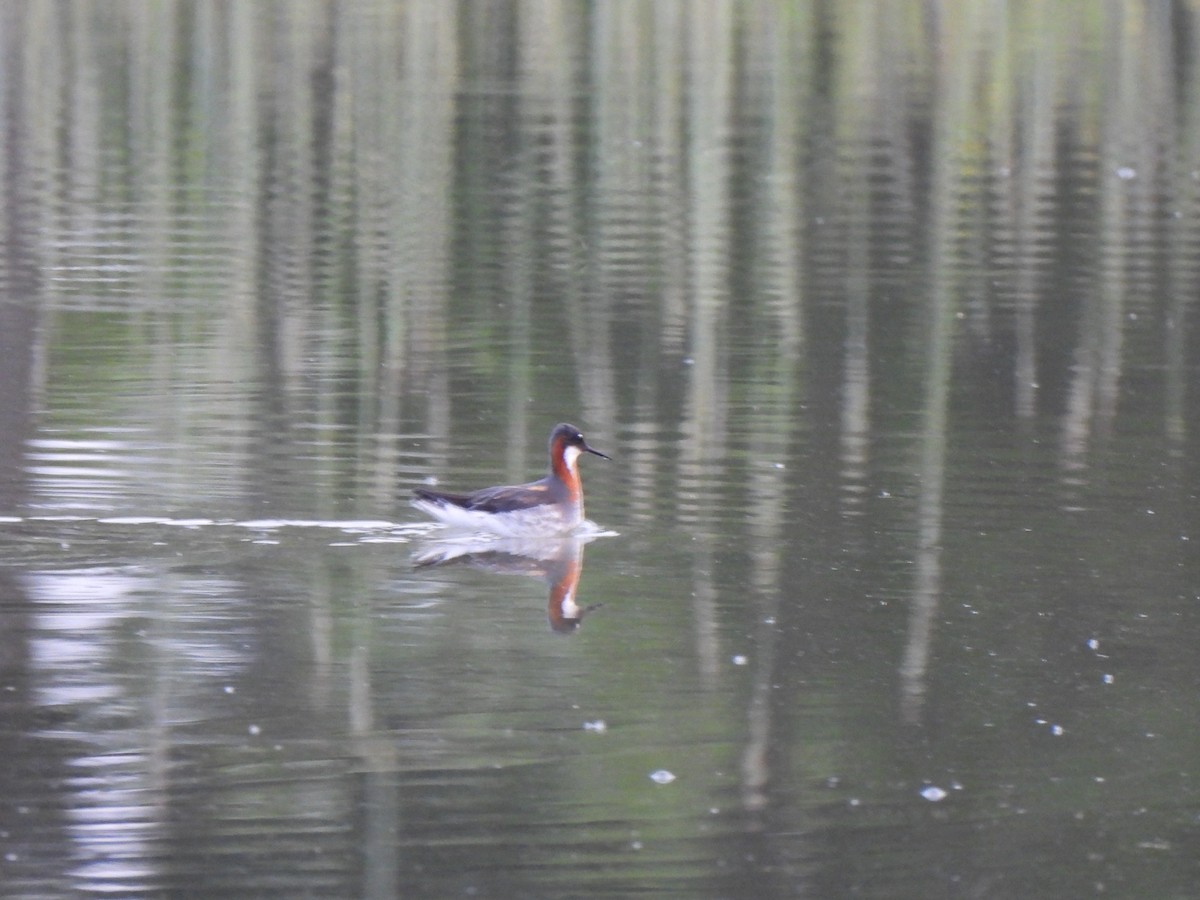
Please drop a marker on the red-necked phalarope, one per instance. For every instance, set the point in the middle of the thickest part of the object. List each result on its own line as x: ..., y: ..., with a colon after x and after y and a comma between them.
x: 553, y: 505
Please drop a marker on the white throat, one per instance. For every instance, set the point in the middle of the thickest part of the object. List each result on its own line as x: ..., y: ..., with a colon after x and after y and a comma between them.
x: 571, y: 456
x: 568, y: 606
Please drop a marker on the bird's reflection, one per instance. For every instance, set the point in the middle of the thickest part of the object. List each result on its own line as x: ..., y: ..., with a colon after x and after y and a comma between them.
x: 556, y: 560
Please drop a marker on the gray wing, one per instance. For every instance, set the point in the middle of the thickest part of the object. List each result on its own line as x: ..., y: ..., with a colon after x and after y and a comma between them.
x: 494, y: 499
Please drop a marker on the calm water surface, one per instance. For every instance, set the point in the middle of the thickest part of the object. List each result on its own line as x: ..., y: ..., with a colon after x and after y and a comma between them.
x: 886, y: 316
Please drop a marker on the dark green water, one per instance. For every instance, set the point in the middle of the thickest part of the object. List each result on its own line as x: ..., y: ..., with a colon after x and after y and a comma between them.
x: 886, y: 314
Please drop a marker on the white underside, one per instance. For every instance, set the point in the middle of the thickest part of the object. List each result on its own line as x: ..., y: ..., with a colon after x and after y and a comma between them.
x: 545, y: 520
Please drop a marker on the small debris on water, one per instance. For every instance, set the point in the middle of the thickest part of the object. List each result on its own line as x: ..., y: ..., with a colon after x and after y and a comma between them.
x: 740, y: 660
x: 599, y: 726
x: 933, y: 793
x: 662, y: 776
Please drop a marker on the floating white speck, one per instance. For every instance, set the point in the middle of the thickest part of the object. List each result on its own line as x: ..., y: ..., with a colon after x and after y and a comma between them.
x: 1108, y: 678
x: 933, y: 793
x: 1056, y: 730
x: 1125, y: 173
x: 740, y: 660
x: 1154, y: 844
x: 599, y: 726
x: 254, y: 730
x: 662, y: 776
x: 230, y: 689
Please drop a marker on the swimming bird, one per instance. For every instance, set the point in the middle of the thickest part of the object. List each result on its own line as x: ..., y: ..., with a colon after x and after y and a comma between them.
x: 552, y: 505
